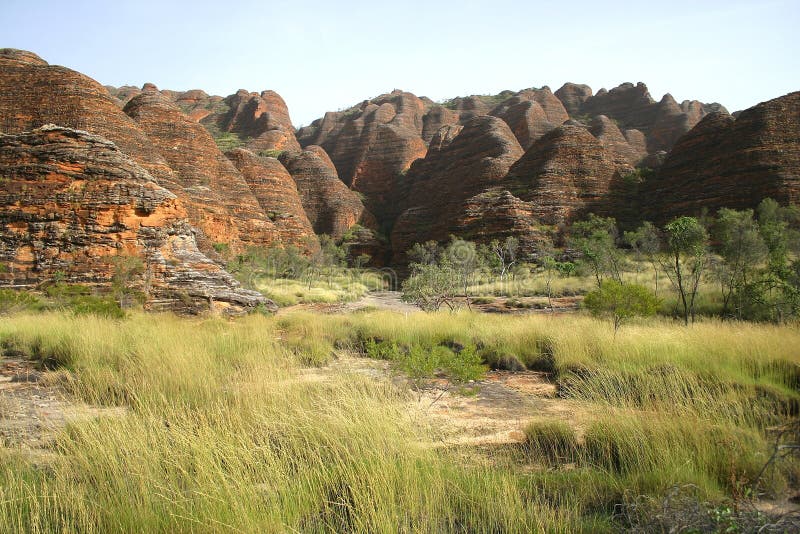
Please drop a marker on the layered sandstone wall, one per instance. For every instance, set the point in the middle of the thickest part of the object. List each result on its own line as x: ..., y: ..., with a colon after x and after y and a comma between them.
x: 71, y: 203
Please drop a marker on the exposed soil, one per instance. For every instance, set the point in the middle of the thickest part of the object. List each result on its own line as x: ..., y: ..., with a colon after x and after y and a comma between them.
x: 392, y: 301
x: 33, y: 407
x: 492, y: 411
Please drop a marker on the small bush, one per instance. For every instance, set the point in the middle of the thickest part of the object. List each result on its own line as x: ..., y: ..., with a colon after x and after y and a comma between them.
x: 421, y: 362
x: 273, y: 153
x: 221, y: 248
x: 94, y: 305
x: 12, y: 301
x: 544, y: 360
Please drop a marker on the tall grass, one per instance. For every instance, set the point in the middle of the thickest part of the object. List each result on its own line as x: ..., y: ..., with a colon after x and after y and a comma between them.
x: 221, y: 431
x: 342, y: 287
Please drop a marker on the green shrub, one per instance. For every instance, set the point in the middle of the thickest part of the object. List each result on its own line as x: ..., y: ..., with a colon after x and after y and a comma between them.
x: 422, y: 361
x: 621, y: 301
x: 94, y: 305
x: 273, y: 153
x: 221, y: 248
x: 12, y: 301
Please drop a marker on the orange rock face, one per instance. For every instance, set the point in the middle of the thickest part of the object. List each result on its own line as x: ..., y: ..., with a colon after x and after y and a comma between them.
x: 217, y: 196
x: 331, y: 207
x: 261, y: 119
x: 608, y: 133
x: 33, y: 93
x: 632, y: 107
x: 373, y: 144
x: 71, y: 201
x: 277, y: 194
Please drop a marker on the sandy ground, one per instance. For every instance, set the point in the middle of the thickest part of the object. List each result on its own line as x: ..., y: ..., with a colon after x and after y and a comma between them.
x: 492, y: 411
x: 33, y: 408
x: 391, y: 301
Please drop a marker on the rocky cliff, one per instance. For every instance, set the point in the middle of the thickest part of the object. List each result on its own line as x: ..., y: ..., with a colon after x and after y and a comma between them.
x: 257, y: 121
x: 433, y: 194
x: 33, y: 93
x: 633, y: 109
x: 735, y: 163
x: 331, y: 207
x: 565, y: 175
x: 276, y: 192
x: 71, y: 202
x: 219, y: 200
x: 372, y: 145
x: 518, y: 163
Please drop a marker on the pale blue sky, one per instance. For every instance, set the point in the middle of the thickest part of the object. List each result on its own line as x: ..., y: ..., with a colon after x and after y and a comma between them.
x: 328, y: 55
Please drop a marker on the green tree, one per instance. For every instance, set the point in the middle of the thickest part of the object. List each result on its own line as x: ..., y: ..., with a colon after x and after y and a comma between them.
x: 431, y: 286
x: 621, y: 302
x: 743, y: 250
x: 504, y: 254
x: 361, y: 261
x: 596, y: 240
x: 776, y: 294
x: 427, y: 253
x: 645, y: 242
x: 327, y: 260
x: 686, y: 260
x: 462, y: 256
x: 548, y: 264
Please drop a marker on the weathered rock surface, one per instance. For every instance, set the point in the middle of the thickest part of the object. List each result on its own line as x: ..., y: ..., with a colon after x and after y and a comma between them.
x: 498, y: 214
x: 33, y: 93
x: 23, y: 56
x: 565, y: 175
x: 71, y: 202
x: 735, y: 163
x: 632, y: 108
x: 526, y: 118
x: 277, y: 194
x: 671, y: 121
x: 261, y: 119
x: 573, y: 95
x: 217, y: 196
x: 331, y: 207
x: 552, y: 106
x: 613, y: 140
x: 436, y: 117
x: 373, y: 144
x: 436, y: 188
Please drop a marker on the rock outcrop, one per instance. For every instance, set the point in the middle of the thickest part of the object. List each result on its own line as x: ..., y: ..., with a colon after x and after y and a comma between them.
x: 276, y: 192
x: 260, y: 119
x: 71, y: 202
x: 33, y: 93
x: 436, y: 188
x: 734, y: 163
x: 373, y: 145
x: 573, y: 95
x: 608, y: 133
x: 632, y: 108
x: 565, y: 175
x: 526, y: 118
x: 331, y: 207
x: 217, y: 196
